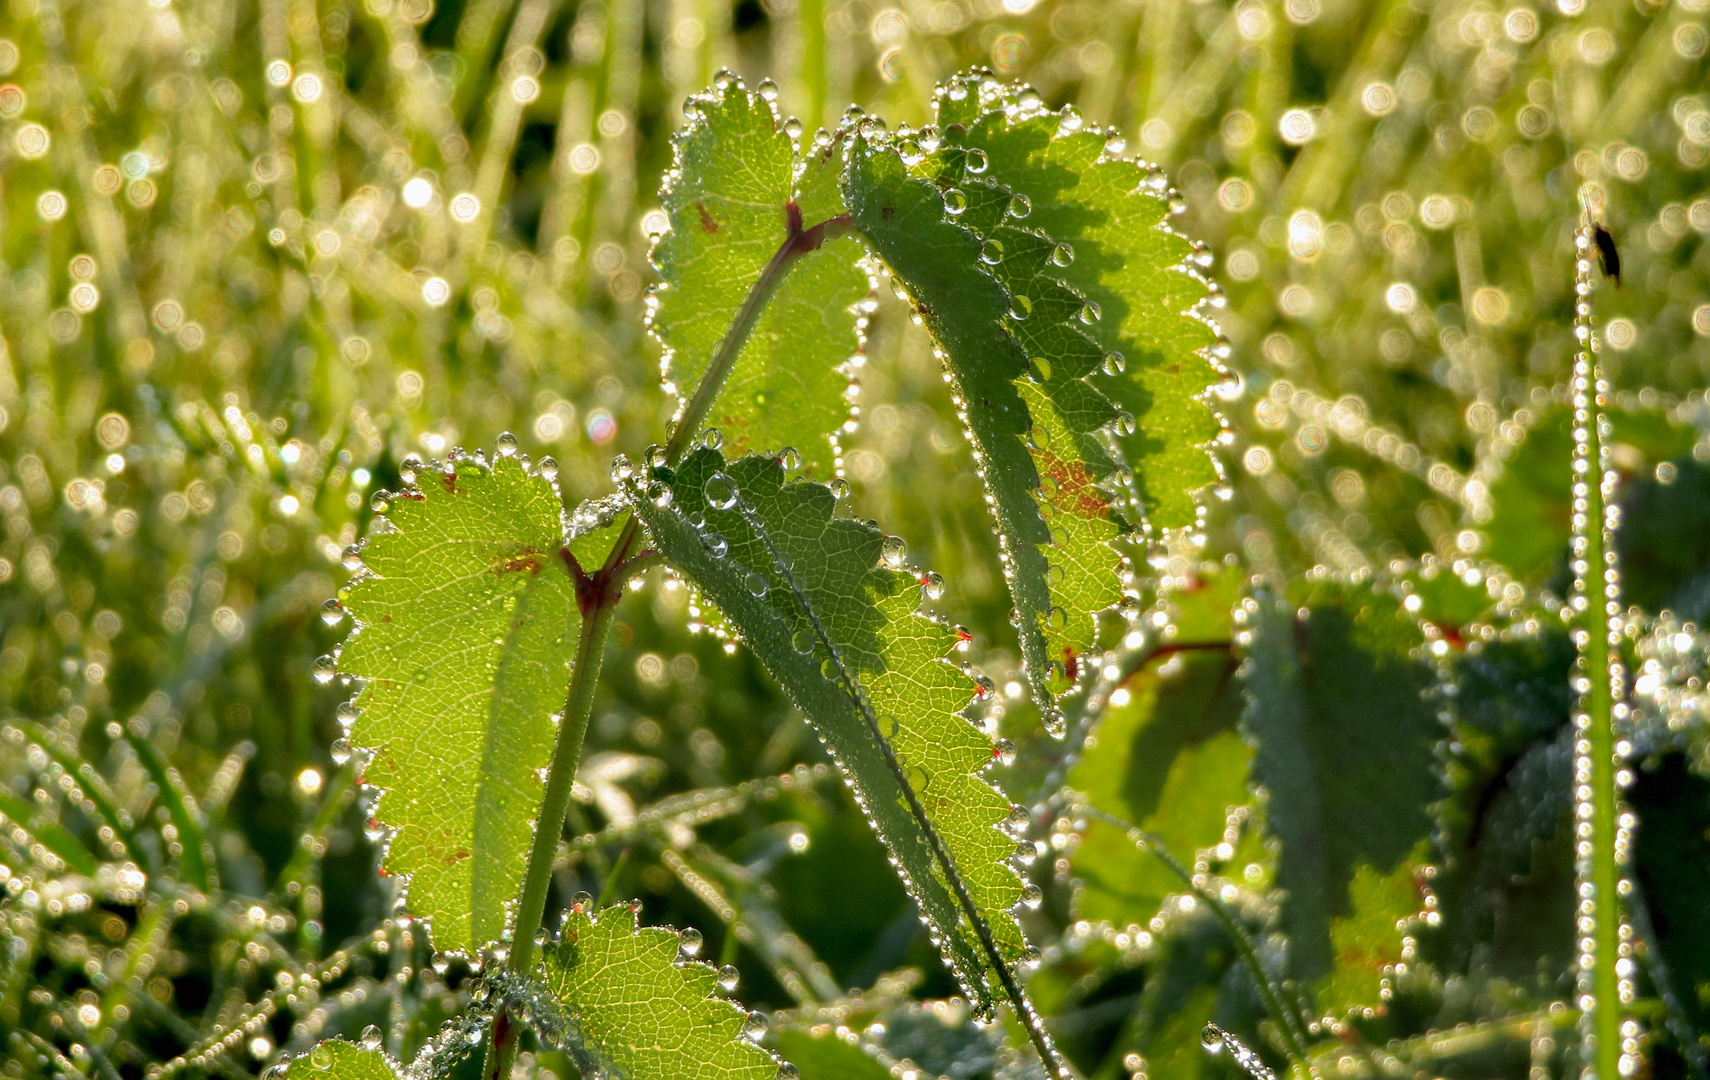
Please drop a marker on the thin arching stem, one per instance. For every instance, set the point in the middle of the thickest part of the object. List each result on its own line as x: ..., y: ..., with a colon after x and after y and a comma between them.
x: 1286, y: 1019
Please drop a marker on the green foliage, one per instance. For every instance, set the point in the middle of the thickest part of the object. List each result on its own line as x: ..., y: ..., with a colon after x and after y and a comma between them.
x: 257, y: 258
x: 1346, y: 736
x: 632, y: 1008
x: 829, y: 610
x: 730, y: 201
x: 464, y: 616
x: 337, y: 1059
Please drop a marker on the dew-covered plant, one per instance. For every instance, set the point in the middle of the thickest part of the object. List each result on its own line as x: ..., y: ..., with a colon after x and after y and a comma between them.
x: 906, y: 620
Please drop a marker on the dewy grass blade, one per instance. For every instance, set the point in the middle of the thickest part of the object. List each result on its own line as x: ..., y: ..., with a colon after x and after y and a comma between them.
x: 1604, y: 832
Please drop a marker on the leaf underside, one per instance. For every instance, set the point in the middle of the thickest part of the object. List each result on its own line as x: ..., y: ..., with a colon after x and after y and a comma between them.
x: 466, y: 624
x: 1124, y: 259
x: 841, y: 632
x: 728, y: 202
x: 1346, y: 734
x: 1054, y: 317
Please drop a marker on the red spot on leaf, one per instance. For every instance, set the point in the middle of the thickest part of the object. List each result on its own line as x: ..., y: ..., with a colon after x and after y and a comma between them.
x: 1071, y: 664
x: 708, y: 225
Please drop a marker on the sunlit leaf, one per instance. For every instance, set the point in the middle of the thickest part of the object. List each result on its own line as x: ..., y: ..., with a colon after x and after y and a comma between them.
x: 730, y: 201
x: 626, y: 1004
x: 467, y: 620
x: 337, y: 1059
x: 1120, y: 255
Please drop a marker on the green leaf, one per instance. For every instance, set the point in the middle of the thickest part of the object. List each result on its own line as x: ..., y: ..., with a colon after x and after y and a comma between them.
x: 337, y: 1059
x: 1061, y: 585
x: 1121, y: 256
x: 1170, y: 760
x: 1672, y: 860
x: 729, y: 202
x: 1505, y: 829
x: 54, y: 838
x: 466, y: 622
x: 1532, y: 498
x: 1337, y: 702
x: 965, y: 309
x: 836, y: 623
x: 828, y: 1057
x: 631, y: 1008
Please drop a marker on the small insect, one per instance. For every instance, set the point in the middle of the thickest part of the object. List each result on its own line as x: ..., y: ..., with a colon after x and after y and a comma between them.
x: 1606, y: 253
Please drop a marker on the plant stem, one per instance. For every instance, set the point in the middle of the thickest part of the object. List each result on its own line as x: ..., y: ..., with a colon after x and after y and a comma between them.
x: 798, y: 242
x: 1288, y: 1023
x: 549, y: 826
x: 1596, y: 599
x: 598, y: 594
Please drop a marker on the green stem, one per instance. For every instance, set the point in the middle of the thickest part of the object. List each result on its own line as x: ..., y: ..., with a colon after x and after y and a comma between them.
x: 560, y: 777
x: 1595, y: 593
x: 598, y: 594
x: 798, y: 242
x: 1287, y: 1022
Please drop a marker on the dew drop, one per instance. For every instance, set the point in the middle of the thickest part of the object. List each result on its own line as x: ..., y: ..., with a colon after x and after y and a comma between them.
x: 1032, y: 896
x: 717, y: 546
x: 991, y: 252
x: 1062, y: 255
x: 802, y: 641
x: 1021, y: 306
x: 790, y: 458
x: 727, y: 978
x: 380, y: 502
x: 690, y: 942
x: 371, y: 1038
x: 712, y: 438
x: 1030, y: 957
x: 839, y: 488
x: 786, y: 1071
x: 1114, y: 363
x: 977, y: 162
x: 655, y: 456
x: 793, y: 128
x: 955, y: 201
x: 340, y: 751
x: 353, y: 558
x: 1029, y: 99
x: 621, y: 469
x: 548, y: 467
x: 720, y: 491
x: 660, y: 494
x: 754, y: 1028
x: 1020, y: 206
x: 1090, y: 313
x: 828, y: 668
x: 932, y: 585
x: 582, y: 901
x: 893, y: 551
x: 506, y: 444
x: 332, y: 612
x: 767, y: 89
x: 346, y: 715
x: 326, y: 666
x: 757, y: 585
x: 409, y: 469
x: 321, y: 1058
x: 1125, y: 424
x: 1018, y: 820
x: 1211, y: 1038
x: 1004, y: 751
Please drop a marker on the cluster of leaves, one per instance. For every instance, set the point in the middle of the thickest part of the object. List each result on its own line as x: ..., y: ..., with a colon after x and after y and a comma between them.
x: 1327, y: 809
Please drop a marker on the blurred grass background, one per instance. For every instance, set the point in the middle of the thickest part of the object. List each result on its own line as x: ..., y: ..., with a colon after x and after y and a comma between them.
x: 253, y: 254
